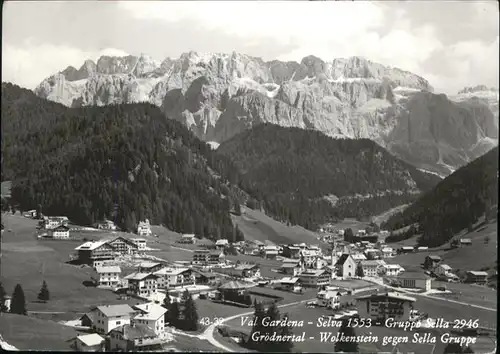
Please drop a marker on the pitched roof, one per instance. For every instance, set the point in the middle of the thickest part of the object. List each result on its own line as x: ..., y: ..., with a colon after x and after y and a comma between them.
x: 148, y: 264
x: 188, y: 236
x: 90, y: 245
x: 390, y: 294
x: 235, y: 284
x: 289, y: 280
x: 151, y: 311
x: 290, y: 265
x: 139, y: 276
x: 126, y: 240
x: 445, y: 266
x: 342, y: 259
x: 108, y: 269
x: 437, y: 258
x: 116, y: 310
x: 476, y: 272
x: 135, y: 331
x: 91, y: 339
x: 170, y: 271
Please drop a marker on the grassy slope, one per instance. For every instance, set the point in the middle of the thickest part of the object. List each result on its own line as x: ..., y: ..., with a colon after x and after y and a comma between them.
x: 27, y: 333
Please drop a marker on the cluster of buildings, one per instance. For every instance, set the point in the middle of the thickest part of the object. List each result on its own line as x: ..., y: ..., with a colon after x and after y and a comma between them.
x: 56, y: 227
x: 124, y: 328
x: 436, y: 267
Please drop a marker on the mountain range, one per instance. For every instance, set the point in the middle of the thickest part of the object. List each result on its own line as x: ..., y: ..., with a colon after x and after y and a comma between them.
x: 220, y: 95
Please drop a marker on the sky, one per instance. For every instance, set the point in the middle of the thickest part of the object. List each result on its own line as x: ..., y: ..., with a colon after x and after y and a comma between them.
x: 451, y: 44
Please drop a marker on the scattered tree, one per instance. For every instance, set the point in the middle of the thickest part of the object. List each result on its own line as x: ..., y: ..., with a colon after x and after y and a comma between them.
x: 359, y: 270
x: 3, y: 295
x: 172, y: 315
x: 190, y: 313
x: 18, y: 303
x: 44, y: 294
x: 167, y: 300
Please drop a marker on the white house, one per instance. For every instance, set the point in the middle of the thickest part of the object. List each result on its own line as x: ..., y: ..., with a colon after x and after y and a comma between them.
x: 142, y: 284
x: 144, y: 228
x: 387, y: 252
x: 442, y: 269
x: 358, y: 257
x: 107, y: 276
x: 415, y: 281
x: 60, y: 232
x: 392, y: 269
x: 188, y: 238
x: 134, y: 338
x: 52, y: 222
x: 221, y: 243
x: 152, y: 315
x: 174, y: 277
x: 372, y: 268
x: 141, y: 243
x: 111, y: 316
x: 89, y: 343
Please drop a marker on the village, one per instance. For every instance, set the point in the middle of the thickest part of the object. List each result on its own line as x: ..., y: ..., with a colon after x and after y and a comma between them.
x: 342, y: 276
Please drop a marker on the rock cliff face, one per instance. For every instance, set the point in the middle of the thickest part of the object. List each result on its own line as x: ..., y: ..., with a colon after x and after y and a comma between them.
x: 220, y: 95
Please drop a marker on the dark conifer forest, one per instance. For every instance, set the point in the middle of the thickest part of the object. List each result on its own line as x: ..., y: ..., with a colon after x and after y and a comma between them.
x: 290, y: 171
x: 456, y: 203
x: 122, y: 162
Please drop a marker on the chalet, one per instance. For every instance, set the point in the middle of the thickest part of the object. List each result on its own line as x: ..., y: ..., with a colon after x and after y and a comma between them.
x: 144, y: 228
x: 95, y: 253
x: 188, y: 239
x: 442, y: 269
x: 372, y: 253
x: 309, y: 257
x: 289, y: 284
x: 392, y: 270
x: 246, y: 270
x: 422, y: 248
x: 270, y: 252
x: 123, y: 246
x: 372, y: 268
x: 206, y: 257
x: 358, y: 257
x: 149, y: 267
x: 313, y: 278
x: 406, y: 249
x: 332, y: 297
x: 90, y: 343
x: 291, y: 268
x: 465, y: 242
x: 105, y: 225
x: 379, y: 307
x: 476, y: 277
x: 152, y: 315
x: 51, y: 222
x: 175, y: 277
x: 291, y: 251
x: 142, y: 284
x: 222, y: 243
x: 387, y: 252
x: 30, y: 214
x: 59, y: 232
x: 415, y: 281
x: 206, y: 278
x: 107, y: 276
x: 109, y: 317
x: 432, y: 261
x: 346, y: 266
x: 141, y: 243
x: 134, y: 338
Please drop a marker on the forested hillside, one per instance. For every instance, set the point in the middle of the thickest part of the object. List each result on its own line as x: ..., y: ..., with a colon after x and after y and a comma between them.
x: 123, y: 162
x: 455, y: 203
x: 291, y: 171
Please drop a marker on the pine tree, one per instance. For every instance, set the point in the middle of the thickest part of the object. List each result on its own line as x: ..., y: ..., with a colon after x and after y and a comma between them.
x: 190, y: 322
x: 44, y: 294
x: 172, y: 315
x: 18, y: 304
x: 359, y: 270
x: 346, y: 346
x: 167, y: 300
x: 273, y: 314
x: 3, y: 294
x: 285, y: 346
x: 468, y: 350
x: 258, y: 327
